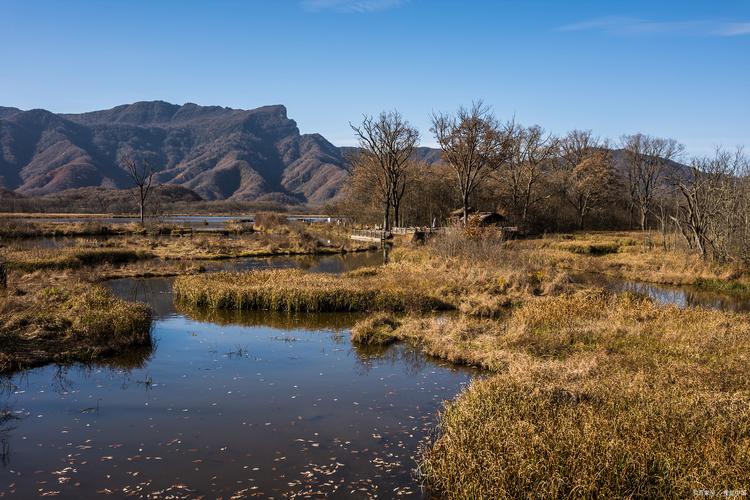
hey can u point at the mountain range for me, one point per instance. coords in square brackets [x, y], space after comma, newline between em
[217, 152]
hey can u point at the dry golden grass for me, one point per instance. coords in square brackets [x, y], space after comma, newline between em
[293, 290]
[131, 251]
[377, 330]
[31, 259]
[594, 395]
[630, 255]
[69, 321]
[12, 228]
[557, 432]
[413, 280]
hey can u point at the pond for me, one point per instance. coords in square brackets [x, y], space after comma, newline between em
[194, 221]
[245, 404]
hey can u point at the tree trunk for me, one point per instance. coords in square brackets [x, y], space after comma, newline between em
[465, 200]
[387, 217]
[643, 218]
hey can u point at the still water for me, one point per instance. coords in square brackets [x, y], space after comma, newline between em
[195, 221]
[242, 404]
[681, 296]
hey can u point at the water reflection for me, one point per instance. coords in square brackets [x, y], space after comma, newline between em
[681, 296]
[229, 405]
[280, 320]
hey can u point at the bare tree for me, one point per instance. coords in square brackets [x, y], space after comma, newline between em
[711, 213]
[473, 143]
[531, 154]
[386, 145]
[646, 159]
[142, 175]
[588, 178]
[577, 146]
[366, 190]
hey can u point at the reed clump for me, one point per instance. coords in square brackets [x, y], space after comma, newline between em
[293, 290]
[629, 255]
[377, 330]
[68, 322]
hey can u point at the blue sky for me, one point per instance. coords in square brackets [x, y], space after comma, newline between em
[670, 68]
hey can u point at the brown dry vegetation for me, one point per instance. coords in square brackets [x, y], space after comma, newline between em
[413, 280]
[31, 259]
[589, 393]
[594, 395]
[648, 257]
[637, 256]
[13, 228]
[131, 251]
[293, 290]
[44, 320]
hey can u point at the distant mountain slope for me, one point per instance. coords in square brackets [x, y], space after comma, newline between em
[422, 154]
[219, 153]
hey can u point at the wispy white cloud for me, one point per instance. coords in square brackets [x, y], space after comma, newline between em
[356, 6]
[735, 29]
[638, 26]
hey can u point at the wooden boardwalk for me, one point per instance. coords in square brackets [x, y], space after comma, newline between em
[375, 235]
[379, 236]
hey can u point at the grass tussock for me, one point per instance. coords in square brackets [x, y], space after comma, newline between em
[594, 395]
[590, 248]
[65, 323]
[292, 290]
[29, 260]
[377, 330]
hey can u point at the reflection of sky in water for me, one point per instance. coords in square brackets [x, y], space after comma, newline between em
[230, 406]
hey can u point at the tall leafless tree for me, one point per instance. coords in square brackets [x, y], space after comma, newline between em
[386, 145]
[711, 212]
[531, 154]
[646, 160]
[588, 180]
[473, 143]
[142, 175]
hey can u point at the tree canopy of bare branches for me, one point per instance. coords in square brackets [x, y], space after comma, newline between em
[531, 153]
[386, 146]
[473, 143]
[142, 175]
[588, 179]
[646, 159]
[714, 212]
